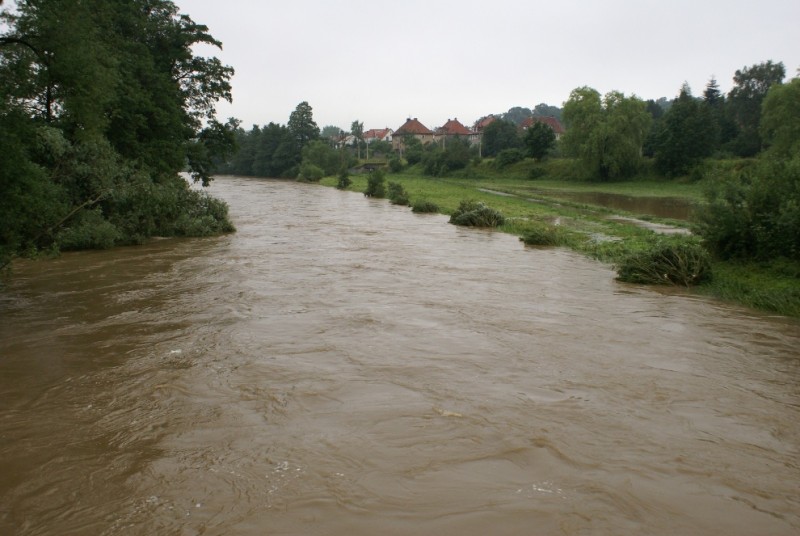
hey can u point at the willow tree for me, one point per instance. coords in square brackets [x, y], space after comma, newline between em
[605, 134]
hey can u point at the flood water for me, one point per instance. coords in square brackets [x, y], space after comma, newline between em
[342, 366]
[662, 207]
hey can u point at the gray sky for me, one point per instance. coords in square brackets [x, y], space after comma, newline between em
[381, 61]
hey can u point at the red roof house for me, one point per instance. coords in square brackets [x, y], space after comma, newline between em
[551, 122]
[412, 127]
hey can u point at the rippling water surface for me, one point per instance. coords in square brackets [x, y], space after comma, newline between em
[342, 366]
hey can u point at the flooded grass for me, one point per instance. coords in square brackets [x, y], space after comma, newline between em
[596, 231]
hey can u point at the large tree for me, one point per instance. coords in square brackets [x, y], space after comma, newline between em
[607, 134]
[751, 85]
[115, 103]
[780, 119]
[539, 140]
[498, 136]
[302, 126]
[686, 135]
[357, 130]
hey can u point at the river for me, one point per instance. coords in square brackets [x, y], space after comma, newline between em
[341, 366]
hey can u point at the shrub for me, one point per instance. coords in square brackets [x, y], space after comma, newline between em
[754, 213]
[344, 181]
[376, 186]
[476, 214]
[506, 157]
[544, 235]
[89, 230]
[425, 207]
[536, 173]
[395, 165]
[675, 261]
[397, 194]
[310, 172]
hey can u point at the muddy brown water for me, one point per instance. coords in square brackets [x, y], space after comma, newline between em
[341, 366]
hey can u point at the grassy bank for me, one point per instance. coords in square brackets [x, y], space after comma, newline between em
[532, 208]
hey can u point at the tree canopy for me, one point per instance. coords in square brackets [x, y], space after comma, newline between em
[607, 134]
[107, 103]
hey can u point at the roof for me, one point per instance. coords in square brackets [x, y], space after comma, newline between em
[413, 127]
[453, 128]
[377, 133]
[550, 121]
[482, 123]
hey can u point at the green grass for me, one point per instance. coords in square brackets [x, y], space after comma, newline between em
[588, 229]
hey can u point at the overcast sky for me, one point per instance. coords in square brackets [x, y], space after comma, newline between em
[382, 61]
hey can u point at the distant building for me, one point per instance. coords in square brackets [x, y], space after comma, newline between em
[412, 127]
[378, 134]
[452, 129]
[552, 122]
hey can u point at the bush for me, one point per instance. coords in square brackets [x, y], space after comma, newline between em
[754, 213]
[89, 230]
[544, 235]
[425, 207]
[675, 261]
[397, 194]
[376, 186]
[536, 173]
[395, 165]
[344, 181]
[310, 172]
[476, 214]
[506, 157]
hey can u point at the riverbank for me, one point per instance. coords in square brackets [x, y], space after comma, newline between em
[600, 232]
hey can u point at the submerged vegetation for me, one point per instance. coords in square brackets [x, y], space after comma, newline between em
[471, 213]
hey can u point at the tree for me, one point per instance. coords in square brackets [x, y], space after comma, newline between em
[517, 115]
[322, 155]
[606, 134]
[330, 132]
[539, 140]
[357, 130]
[751, 85]
[302, 126]
[545, 110]
[499, 135]
[780, 119]
[115, 103]
[686, 136]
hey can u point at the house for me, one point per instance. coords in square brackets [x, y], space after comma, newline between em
[412, 127]
[452, 129]
[345, 140]
[378, 134]
[550, 121]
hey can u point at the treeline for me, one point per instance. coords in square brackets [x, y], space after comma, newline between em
[102, 104]
[294, 150]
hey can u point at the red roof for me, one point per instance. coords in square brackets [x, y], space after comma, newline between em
[413, 127]
[376, 133]
[453, 128]
[551, 122]
[484, 122]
